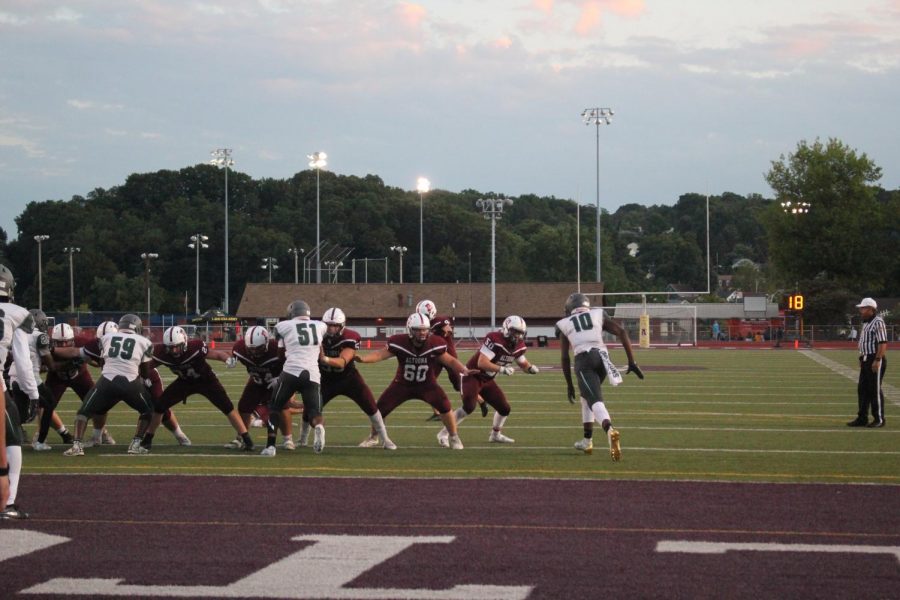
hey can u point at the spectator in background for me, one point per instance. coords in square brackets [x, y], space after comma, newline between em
[716, 330]
[853, 333]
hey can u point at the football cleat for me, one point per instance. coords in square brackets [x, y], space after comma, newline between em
[289, 445]
[75, 450]
[389, 445]
[183, 440]
[443, 438]
[41, 446]
[235, 444]
[106, 439]
[135, 447]
[370, 442]
[319, 439]
[268, 451]
[247, 446]
[12, 511]
[455, 442]
[585, 445]
[433, 417]
[615, 451]
[498, 438]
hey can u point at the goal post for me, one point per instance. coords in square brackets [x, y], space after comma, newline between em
[655, 325]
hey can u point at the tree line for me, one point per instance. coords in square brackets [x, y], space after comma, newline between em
[832, 248]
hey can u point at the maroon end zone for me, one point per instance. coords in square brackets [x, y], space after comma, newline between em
[382, 538]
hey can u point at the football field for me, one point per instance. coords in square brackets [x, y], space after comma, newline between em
[738, 479]
[735, 415]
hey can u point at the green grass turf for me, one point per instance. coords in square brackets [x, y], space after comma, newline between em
[737, 415]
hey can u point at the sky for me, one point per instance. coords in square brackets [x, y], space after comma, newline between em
[471, 94]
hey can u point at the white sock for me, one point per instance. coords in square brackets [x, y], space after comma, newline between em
[177, 432]
[587, 416]
[62, 430]
[498, 421]
[289, 437]
[98, 433]
[14, 461]
[461, 415]
[378, 423]
[600, 412]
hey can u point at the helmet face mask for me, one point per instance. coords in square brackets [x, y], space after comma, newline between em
[514, 328]
[175, 341]
[336, 321]
[419, 328]
[41, 322]
[62, 335]
[256, 339]
[427, 308]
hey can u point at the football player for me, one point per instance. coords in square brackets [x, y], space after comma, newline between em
[301, 341]
[340, 377]
[39, 350]
[498, 354]
[582, 330]
[418, 354]
[187, 360]
[258, 352]
[127, 357]
[15, 327]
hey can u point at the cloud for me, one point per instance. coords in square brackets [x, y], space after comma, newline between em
[411, 14]
[65, 14]
[150, 135]
[589, 20]
[90, 105]
[31, 148]
[11, 19]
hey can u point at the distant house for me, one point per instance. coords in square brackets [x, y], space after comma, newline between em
[724, 281]
[680, 292]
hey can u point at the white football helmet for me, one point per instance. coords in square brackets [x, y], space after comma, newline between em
[336, 317]
[256, 339]
[175, 340]
[107, 327]
[62, 334]
[427, 308]
[514, 328]
[419, 327]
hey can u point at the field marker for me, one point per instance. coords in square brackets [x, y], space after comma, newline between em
[19, 542]
[723, 547]
[890, 392]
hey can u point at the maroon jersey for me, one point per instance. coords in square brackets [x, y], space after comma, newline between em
[93, 350]
[262, 369]
[332, 346]
[437, 328]
[499, 350]
[416, 365]
[71, 368]
[191, 365]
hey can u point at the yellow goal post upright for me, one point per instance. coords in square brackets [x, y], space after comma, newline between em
[651, 325]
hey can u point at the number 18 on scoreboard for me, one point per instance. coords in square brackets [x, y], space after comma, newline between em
[795, 302]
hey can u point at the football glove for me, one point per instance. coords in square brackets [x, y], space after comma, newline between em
[32, 410]
[533, 370]
[506, 370]
[231, 362]
[633, 368]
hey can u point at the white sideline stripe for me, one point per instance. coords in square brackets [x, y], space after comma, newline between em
[683, 546]
[890, 392]
[495, 448]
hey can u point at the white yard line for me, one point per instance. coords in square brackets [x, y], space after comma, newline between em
[890, 392]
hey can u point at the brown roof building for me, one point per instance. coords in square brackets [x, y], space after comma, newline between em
[540, 303]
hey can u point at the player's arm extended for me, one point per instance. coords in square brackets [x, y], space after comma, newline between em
[218, 355]
[617, 330]
[341, 361]
[453, 363]
[66, 352]
[485, 364]
[374, 357]
[566, 365]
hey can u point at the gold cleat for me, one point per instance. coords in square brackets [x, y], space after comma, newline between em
[615, 451]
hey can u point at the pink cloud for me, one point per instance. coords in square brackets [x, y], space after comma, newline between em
[626, 8]
[590, 18]
[411, 14]
[544, 5]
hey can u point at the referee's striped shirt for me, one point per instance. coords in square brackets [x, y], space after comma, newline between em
[873, 333]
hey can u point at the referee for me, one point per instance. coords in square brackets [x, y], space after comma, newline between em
[872, 365]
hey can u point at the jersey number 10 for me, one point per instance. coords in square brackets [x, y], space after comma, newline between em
[582, 321]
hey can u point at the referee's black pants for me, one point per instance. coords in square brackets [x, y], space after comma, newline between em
[868, 390]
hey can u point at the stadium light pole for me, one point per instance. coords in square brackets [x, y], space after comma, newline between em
[400, 250]
[71, 252]
[222, 159]
[40, 239]
[422, 186]
[147, 257]
[598, 117]
[318, 161]
[492, 208]
[270, 263]
[198, 242]
[296, 252]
